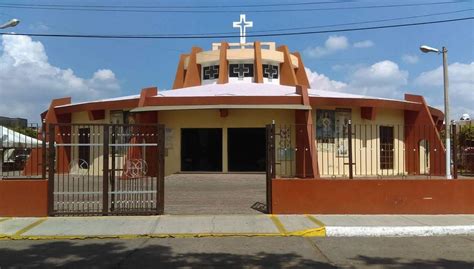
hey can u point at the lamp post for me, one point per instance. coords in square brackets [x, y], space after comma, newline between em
[10, 23]
[444, 51]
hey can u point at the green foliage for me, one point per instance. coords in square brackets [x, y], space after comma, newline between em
[26, 131]
[466, 134]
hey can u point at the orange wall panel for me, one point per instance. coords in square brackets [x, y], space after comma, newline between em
[314, 196]
[23, 198]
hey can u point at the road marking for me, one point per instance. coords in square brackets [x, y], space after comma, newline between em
[29, 227]
[316, 221]
[278, 224]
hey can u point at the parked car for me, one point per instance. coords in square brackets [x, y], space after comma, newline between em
[15, 159]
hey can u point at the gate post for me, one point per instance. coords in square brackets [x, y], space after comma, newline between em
[112, 171]
[50, 159]
[105, 171]
[454, 151]
[270, 163]
[349, 145]
[160, 176]
[43, 149]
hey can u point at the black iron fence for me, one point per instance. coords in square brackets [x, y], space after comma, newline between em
[463, 148]
[105, 169]
[21, 152]
[354, 150]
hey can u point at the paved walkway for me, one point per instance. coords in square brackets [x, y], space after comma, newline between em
[212, 194]
[235, 225]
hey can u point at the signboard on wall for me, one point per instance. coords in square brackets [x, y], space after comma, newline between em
[343, 115]
[325, 125]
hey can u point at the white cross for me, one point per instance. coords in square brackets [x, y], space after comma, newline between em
[242, 24]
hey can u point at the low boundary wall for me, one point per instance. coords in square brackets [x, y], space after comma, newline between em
[23, 198]
[369, 196]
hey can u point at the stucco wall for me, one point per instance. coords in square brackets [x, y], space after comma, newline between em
[23, 198]
[366, 196]
[366, 143]
[211, 119]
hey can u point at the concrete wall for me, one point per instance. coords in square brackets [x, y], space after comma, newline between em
[175, 120]
[23, 198]
[397, 196]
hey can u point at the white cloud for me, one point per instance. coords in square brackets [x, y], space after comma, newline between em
[410, 59]
[321, 82]
[461, 87]
[29, 81]
[384, 79]
[381, 79]
[333, 44]
[364, 44]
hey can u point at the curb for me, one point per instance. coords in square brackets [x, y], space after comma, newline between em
[398, 231]
[316, 232]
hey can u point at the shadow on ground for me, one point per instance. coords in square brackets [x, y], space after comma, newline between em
[116, 254]
[175, 253]
[395, 263]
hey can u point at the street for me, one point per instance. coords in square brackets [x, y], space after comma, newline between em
[242, 252]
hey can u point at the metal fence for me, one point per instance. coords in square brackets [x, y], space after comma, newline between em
[105, 169]
[463, 148]
[20, 152]
[361, 150]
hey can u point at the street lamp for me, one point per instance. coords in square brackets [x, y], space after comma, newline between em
[10, 23]
[444, 51]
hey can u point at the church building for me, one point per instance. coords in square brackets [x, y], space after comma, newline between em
[223, 97]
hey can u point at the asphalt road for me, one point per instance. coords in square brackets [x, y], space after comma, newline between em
[241, 252]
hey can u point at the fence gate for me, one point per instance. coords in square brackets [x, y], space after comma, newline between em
[105, 169]
[270, 163]
[463, 148]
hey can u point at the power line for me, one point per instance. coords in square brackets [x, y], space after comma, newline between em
[148, 10]
[334, 25]
[183, 6]
[236, 36]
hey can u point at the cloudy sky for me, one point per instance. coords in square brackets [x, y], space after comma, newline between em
[385, 62]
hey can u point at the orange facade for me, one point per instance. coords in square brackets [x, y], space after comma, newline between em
[23, 198]
[397, 196]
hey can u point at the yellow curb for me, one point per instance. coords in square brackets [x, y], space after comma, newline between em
[316, 221]
[29, 227]
[316, 232]
[2, 220]
[278, 224]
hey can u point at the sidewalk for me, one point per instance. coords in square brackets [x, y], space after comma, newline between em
[235, 225]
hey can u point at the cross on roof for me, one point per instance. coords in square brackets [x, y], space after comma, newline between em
[242, 24]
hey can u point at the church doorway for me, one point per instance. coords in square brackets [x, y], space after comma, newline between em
[246, 149]
[201, 149]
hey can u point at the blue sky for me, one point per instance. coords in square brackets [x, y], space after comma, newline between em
[384, 62]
